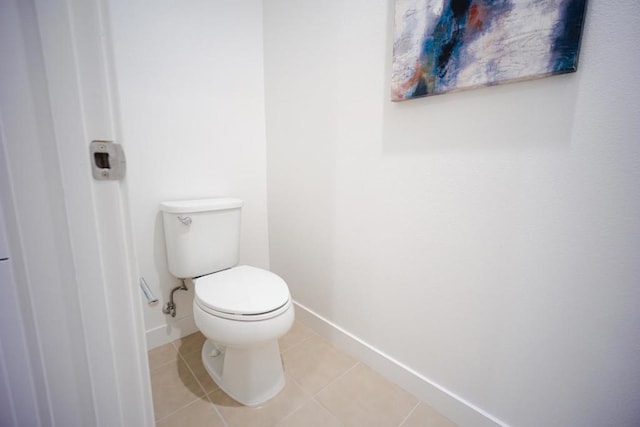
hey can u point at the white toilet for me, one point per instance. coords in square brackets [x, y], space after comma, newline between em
[242, 310]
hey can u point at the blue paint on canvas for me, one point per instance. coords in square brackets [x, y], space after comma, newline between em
[447, 45]
[566, 37]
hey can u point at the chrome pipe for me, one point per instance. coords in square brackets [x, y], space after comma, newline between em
[170, 307]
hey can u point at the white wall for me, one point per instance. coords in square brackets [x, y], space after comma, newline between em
[190, 82]
[489, 240]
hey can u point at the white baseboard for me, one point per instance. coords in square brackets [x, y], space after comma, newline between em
[446, 402]
[172, 330]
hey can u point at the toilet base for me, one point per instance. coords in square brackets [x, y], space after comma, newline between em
[250, 376]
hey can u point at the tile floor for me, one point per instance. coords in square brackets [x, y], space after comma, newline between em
[325, 388]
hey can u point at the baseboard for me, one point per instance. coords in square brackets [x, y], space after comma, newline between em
[174, 329]
[446, 402]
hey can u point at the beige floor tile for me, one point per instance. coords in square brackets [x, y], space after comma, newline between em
[296, 335]
[198, 414]
[347, 393]
[425, 416]
[194, 361]
[311, 414]
[190, 344]
[162, 355]
[268, 414]
[315, 363]
[363, 397]
[173, 387]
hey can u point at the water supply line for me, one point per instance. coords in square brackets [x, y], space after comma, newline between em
[170, 307]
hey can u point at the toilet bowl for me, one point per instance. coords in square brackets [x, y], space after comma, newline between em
[242, 312]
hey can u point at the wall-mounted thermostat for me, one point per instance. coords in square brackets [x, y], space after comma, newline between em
[107, 160]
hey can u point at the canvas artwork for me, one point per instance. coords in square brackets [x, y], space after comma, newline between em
[447, 45]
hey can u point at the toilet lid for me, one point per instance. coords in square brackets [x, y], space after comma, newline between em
[243, 290]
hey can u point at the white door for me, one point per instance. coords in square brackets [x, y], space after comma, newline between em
[71, 276]
[18, 401]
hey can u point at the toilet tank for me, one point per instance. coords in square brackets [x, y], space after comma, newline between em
[201, 236]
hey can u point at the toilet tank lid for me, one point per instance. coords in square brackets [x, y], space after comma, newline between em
[200, 205]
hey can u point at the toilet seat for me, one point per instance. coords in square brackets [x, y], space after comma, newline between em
[242, 293]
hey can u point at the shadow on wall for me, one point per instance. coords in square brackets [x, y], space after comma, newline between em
[537, 113]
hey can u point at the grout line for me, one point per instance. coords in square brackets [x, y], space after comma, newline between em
[311, 333]
[290, 378]
[333, 415]
[157, 368]
[337, 378]
[294, 410]
[215, 408]
[184, 360]
[352, 345]
[178, 359]
[409, 414]
[312, 397]
[179, 409]
[206, 394]
[298, 344]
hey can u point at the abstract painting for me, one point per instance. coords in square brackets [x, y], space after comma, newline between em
[448, 45]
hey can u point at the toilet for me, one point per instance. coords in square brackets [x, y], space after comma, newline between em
[241, 310]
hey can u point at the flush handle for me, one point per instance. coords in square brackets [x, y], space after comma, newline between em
[186, 220]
